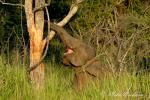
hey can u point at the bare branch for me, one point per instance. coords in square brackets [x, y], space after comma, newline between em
[10, 4]
[72, 12]
[48, 19]
[132, 39]
[78, 1]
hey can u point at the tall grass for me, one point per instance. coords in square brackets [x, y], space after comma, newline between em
[14, 85]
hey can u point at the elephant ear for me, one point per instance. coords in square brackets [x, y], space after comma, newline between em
[66, 61]
[77, 61]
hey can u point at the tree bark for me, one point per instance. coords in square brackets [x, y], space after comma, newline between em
[35, 29]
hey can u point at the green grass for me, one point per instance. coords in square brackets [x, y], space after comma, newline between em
[14, 85]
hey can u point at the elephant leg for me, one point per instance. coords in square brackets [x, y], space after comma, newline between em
[80, 78]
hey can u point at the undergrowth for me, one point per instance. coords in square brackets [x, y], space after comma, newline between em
[14, 85]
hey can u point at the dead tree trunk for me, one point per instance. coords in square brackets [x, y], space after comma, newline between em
[35, 25]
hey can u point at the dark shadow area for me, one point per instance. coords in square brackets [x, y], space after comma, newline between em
[58, 10]
[145, 64]
[55, 52]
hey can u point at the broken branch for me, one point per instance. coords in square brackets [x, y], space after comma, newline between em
[72, 12]
[10, 4]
